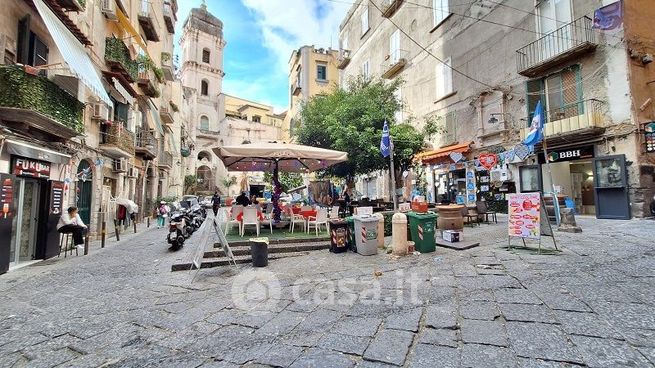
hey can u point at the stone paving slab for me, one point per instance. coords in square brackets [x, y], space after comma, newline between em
[591, 305]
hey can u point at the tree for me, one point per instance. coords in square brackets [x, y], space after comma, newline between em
[287, 180]
[351, 120]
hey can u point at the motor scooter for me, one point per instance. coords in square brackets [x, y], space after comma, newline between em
[176, 231]
[652, 207]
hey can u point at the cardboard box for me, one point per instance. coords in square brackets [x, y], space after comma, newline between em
[453, 236]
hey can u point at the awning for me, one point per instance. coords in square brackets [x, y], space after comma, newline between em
[429, 156]
[73, 52]
[122, 19]
[171, 139]
[31, 151]
[155, 116]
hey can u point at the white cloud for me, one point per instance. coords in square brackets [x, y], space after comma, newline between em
[289, 24]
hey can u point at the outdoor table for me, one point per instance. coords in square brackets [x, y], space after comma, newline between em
[308, 214]
[260, 215]
[295, 210]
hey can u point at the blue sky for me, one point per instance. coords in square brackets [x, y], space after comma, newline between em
[261, 34]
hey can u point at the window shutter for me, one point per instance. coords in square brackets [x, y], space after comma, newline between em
[535, 92]
[23, 40]
[394, 46]
[450, 137]
[447, 76]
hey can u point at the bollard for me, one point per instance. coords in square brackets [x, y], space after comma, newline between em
[380, 230]
[103, 234]
[86, 245]
[134, 222]
[148, 221]
[399, 234]
[117, 230]
[567, 223]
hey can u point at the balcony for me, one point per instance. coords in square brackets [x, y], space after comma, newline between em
[210, 134]
[394, 64]
[344, 59]
[389, 7]
[148, 83]
[566, 43]
[295, 89]
[584, 119]
[72, 5]
[146, 143]
[167, 66]
[148, 21]
[118, 58]
[169, 17]
[116, 141]
[35, 102]
[166, 114]
[165, 160]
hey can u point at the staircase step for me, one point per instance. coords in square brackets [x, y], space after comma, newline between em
[241, 250]
[223, 261]
[276, 241]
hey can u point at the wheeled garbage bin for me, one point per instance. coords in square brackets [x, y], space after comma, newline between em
[259, 252]
[366, 234]
[422, 227]
[339, 236]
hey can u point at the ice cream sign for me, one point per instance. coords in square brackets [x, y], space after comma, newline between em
[524, 215]
[31, 168]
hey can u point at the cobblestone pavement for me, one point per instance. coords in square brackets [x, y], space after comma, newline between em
[591, 305]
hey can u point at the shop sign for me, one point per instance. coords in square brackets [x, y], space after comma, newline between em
[649, 136]
[33, 168]
[568, 154]
[524, 215]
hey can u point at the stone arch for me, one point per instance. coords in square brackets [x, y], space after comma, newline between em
[204, 87]
[204, 156]
[205, 178]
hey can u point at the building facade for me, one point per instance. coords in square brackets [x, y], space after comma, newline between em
[88, 115]
[215, 118]
[481, 69]
[312, 72]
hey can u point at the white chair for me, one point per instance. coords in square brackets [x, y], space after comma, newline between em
[297, 218]
[268, 220]
[269, 208]
[236, 210]
[320, 219]
[334, 212]
[306, 208]
[249, 218]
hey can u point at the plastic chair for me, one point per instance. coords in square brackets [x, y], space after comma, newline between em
[249, 218]
[320, 219]
[268, 220]
[297, 218]
[483, 210]
[236, 210]
[306, 208]
[334, 212]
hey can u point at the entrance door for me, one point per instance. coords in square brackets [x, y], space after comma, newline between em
[611, 189]
[84, 191]
[26, 223]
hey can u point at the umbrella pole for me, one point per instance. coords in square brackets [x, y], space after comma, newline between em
[277, 190]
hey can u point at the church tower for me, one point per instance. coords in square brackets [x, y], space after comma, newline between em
[201, 73]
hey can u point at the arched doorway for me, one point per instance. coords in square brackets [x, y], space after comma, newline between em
[84, 190]
[205, 178]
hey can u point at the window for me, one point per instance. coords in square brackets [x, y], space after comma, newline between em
[365, 69]
[561, 93]
[204, 123]
[31, 50]
[321, 72]
[440, 11]
[344, 42]
[444, 78]
[552, 14]
[394, 47]
[364, 19]
[204, 87]
[256, 119]
[205, 56]
[450, 125]
[298, 77]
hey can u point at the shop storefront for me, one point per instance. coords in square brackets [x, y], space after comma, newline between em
[594, 185]
[31, 203]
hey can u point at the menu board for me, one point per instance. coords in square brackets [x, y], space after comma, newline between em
[524, 215]
[6, 197]
[649, 135]
[56, 197]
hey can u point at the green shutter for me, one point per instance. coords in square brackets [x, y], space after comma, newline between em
[535, 92]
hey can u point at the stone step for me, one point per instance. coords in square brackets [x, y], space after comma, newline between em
[241, 250]
[276, 241]
[223, 261]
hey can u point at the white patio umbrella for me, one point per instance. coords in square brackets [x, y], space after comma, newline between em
[275, 157]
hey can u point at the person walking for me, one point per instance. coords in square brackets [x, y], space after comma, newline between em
[216, 203]
[71, 223]
[162, 213]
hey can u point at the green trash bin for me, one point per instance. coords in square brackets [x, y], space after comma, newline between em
[351, 233]
[422, 226]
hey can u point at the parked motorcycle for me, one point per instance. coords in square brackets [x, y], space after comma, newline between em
[189, 226]
[652, 207]
[177, 231]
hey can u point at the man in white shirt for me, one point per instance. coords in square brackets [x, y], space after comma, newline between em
[71, 223]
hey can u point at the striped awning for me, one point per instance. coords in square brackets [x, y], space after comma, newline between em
[155, 116]
[125, 23]
[73, 52]
[171, 139]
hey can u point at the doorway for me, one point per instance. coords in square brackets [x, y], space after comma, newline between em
[610, 182]
[23, 240]
[84, 190]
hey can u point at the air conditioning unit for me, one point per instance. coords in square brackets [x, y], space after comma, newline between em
[108, 8]
[132, 172]
[100, 111]
[7, 49]
[120, 165]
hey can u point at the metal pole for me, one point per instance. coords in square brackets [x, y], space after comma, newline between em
[86, 244]
[103, 234]
[117, 230]
[552, 183]
[393, 177]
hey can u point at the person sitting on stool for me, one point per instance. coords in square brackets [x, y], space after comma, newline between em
[71, 223]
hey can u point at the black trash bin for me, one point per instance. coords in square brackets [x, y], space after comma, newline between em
[259, 252]
[338, 236]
